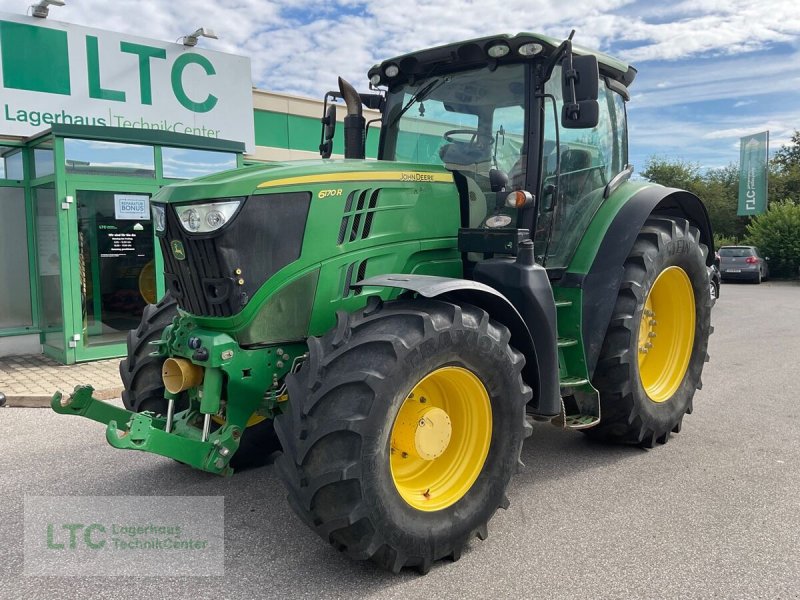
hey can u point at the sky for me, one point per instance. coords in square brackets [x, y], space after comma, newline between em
[710, 71]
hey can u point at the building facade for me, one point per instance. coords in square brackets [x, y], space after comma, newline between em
[93, 123]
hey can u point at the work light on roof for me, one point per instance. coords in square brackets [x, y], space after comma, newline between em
[42, 8]
[391, 70]
[498, 50]
[375, 79]
[530, 49]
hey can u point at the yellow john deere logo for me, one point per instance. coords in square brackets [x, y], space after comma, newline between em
[177, 250]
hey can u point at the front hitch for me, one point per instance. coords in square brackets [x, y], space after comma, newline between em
[145, 431]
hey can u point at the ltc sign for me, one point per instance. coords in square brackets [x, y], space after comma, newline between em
[55, 72]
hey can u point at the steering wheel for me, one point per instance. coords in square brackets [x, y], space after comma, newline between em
[479, 140]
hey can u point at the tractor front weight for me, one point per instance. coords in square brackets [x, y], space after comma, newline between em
[227, 396]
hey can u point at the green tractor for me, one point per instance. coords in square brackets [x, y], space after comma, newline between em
[396, 326]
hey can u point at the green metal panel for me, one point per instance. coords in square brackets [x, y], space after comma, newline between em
[295, 132]
[272, 129]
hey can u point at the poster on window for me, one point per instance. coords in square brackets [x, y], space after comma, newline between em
[131, 207]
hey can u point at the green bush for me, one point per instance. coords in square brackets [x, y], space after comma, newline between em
[777, 235]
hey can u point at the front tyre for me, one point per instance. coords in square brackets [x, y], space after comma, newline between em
[404, 427]
[654, 350]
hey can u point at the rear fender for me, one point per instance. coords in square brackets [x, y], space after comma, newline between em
[496, 305]
[600, 284]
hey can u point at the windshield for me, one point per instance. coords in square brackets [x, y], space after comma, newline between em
[735, 252]
[471, 123]
[486, 108]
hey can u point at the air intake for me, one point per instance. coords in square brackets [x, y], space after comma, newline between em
[357, 221]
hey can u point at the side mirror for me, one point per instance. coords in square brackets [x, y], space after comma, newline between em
[580, 81]
[328, 131]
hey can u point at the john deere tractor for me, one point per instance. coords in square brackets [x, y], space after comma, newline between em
[396, 326]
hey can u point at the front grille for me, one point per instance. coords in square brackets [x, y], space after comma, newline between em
[221, 271]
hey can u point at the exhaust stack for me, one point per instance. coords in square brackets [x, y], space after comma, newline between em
[354, 122]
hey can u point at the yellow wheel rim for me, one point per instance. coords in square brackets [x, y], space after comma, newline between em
[666, 334]
[440, 438]
[147, 283]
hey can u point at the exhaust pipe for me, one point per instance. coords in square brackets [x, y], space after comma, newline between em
[179, 374]
[354, 122]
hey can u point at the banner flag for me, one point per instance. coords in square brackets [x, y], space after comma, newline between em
[753, 157]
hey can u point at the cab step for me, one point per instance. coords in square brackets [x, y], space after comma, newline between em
[568, 383]
[563, 303]
[580, 421]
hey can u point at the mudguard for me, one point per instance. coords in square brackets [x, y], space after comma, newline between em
[600, 283]
[545, 384]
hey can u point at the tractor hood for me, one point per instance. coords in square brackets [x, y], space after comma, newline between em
[307, 175]
[224, 236]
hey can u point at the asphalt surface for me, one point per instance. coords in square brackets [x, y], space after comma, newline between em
[715, 513]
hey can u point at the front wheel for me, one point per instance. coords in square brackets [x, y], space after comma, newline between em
[654, 350]
[404, 427]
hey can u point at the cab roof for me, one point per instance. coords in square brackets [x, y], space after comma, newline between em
[473, 53]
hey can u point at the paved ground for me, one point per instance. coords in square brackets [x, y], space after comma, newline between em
[31, 380]
[713, 514]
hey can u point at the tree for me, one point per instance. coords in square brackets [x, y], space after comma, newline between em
[788, 156]
[717, 188]
[784, 176]
[673, 173]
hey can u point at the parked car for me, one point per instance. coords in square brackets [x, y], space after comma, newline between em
[743, 262]
[714, 278]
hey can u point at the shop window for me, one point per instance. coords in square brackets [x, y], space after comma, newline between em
[11, 167]
[93, 157]
[15, 289]
[185, 163]
[43, 162]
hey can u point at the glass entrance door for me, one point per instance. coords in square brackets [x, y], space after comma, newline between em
[115, 266]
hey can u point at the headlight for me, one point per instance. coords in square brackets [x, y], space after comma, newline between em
[159, 217]
[202, 218]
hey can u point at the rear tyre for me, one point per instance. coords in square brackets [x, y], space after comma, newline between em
[144, 388]
[654, 351]
[403, 429]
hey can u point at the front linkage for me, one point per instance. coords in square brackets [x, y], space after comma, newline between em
[227, 395]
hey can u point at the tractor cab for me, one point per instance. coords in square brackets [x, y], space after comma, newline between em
[533, 131]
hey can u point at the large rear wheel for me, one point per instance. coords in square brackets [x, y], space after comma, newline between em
[655, 348]
[403, 430]
[144, 387]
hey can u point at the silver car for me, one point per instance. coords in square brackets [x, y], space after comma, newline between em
[742, 262]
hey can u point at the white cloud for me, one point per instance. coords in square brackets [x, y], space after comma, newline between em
[694, 51]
